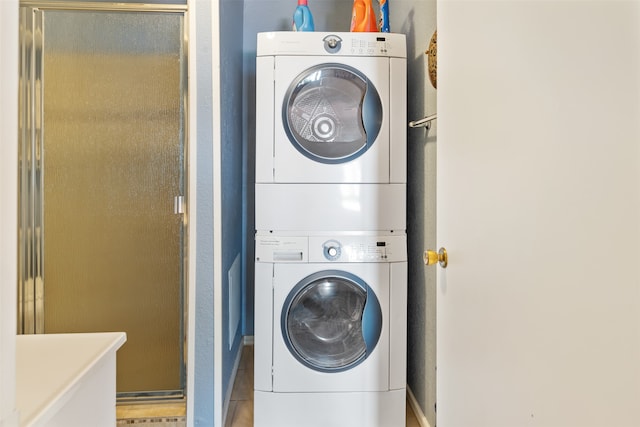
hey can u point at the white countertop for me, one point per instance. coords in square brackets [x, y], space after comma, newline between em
[50, 366]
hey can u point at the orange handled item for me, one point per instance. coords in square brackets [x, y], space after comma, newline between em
[363, 17]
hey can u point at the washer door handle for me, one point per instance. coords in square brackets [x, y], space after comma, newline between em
[371, 321]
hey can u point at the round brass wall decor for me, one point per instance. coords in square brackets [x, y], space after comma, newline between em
[432, 59]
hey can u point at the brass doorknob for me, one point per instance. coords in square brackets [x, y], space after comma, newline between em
[431, 257]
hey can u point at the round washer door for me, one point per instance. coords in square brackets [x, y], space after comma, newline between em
[332, 113]
[331, 321]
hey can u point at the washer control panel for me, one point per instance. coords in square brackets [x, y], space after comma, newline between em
[358, 249]
[281, 249]
[344, 248]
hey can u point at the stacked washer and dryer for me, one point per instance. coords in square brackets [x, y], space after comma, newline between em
[330, 212]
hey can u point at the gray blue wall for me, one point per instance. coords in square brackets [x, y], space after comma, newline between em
[419, 24]
[231, 24]
[230, 40]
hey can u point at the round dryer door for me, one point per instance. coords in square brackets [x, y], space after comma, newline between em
[332, 113]
[331, 321]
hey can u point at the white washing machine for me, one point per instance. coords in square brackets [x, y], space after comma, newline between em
[330, 330]
[330, 109]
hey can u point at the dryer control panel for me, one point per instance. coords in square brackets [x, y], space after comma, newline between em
[368, 46]
[317, 43]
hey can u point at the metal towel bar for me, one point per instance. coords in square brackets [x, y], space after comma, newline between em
[424, 122]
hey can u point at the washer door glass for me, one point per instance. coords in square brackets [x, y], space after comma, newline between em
[332, 113]
[331, 321]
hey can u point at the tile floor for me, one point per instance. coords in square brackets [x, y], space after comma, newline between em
[168, 414]
[241, 405]
[240, 412]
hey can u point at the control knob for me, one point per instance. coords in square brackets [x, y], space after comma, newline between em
[332, 250]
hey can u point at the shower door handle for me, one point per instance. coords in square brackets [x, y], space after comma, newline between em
[178, 205]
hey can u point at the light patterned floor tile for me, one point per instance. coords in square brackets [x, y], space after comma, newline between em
[243, 414]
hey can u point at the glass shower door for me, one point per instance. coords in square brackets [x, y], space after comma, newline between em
[104, 157]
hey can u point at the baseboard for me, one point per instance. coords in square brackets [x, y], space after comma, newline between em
[417, 410]
[248, 340]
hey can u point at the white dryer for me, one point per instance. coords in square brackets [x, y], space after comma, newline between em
[330, 330]
[331, 107]
[330, 131]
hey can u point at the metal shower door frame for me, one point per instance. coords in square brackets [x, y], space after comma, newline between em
[31, 260]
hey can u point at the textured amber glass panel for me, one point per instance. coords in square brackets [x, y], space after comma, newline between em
[113, 154]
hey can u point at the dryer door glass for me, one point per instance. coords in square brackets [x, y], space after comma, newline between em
[326, 321]
[332, 113]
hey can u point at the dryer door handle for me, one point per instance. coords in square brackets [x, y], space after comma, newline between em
[371, 113]
[371, 321]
